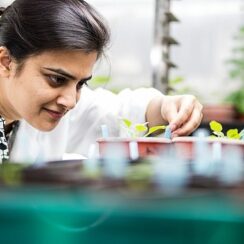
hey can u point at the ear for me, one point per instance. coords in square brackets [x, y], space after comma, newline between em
[5, 62]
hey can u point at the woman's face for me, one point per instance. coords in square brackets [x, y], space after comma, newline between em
[48, 86]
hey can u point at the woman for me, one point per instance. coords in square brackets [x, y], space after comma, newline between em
[47, 53]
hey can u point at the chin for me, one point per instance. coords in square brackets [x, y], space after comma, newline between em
[45, 127]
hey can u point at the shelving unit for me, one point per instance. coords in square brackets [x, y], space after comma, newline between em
[162, 44]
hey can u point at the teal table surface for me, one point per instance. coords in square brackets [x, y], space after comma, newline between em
[58, 214]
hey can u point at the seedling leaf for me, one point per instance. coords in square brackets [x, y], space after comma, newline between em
[215, 126]
[154, 129]
[233, 134]
[127, 123]
[141, 127]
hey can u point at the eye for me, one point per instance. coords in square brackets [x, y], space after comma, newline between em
[57, 80]
[81, 84]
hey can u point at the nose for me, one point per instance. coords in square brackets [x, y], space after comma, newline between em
[68, 97]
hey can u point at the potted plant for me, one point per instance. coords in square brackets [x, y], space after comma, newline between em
[134, 134]
[181, 147]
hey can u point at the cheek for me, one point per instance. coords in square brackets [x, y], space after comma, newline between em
[39, 92]
[30, 101]
[34, 86]
[21, 97]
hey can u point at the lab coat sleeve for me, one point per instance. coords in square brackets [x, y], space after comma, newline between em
[101, 106]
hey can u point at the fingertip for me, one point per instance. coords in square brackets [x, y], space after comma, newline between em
[173, 126]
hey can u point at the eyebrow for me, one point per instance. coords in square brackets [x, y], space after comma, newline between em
[64, 73]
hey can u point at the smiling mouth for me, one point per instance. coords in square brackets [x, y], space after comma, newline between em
[54, 114]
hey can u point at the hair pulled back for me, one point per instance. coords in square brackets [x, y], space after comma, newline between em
[30, 27]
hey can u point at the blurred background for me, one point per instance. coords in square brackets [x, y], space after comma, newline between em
[206, 57]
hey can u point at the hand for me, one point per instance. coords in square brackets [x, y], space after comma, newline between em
[183, 113]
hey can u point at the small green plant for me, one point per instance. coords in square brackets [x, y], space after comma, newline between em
[217, 128]
[135, 130]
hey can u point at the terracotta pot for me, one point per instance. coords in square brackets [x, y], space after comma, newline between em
[146, 146]
[240, 118]
[184, 147]
[220, 113]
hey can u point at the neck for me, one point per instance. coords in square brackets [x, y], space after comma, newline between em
[5, 115]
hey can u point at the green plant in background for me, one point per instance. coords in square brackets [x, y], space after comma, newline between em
[217, 130]
[237, 99]
[99, 81]
[176, 86]
[135, 130]
[103, 81]
[236, 72]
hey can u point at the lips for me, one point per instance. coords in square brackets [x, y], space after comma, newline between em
[54, 114]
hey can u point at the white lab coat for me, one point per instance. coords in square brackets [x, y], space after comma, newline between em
[82, 126]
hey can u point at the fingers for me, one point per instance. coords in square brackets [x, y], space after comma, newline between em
[185, 109]
[191, 124]
[184, 114]
[169, 111]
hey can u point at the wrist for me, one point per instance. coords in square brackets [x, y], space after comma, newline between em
[154, 111]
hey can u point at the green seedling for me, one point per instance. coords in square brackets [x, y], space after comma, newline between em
[136, 130]
[217, 128]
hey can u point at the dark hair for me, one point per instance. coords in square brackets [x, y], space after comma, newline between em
[29, 27]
